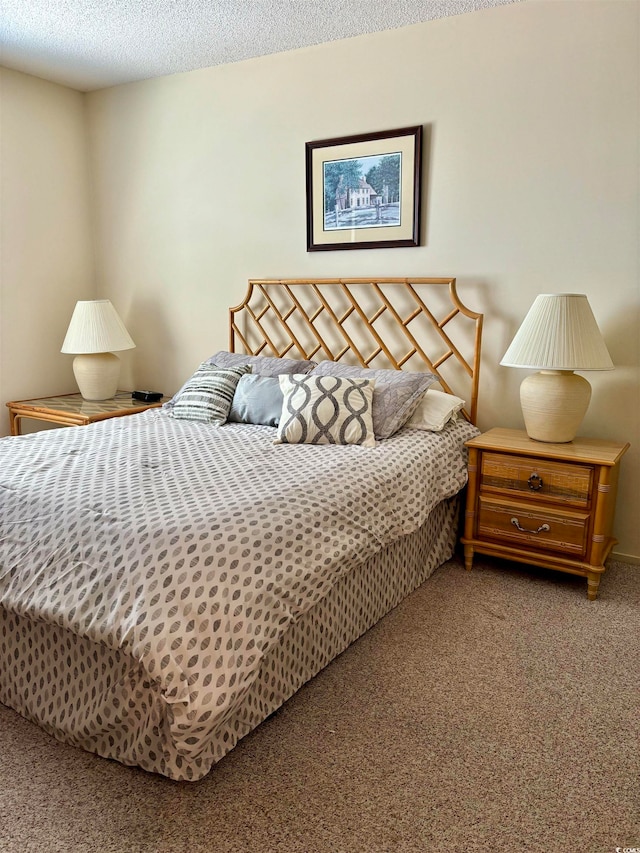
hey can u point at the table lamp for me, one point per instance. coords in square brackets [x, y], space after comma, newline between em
[94, 333]
[558, 335]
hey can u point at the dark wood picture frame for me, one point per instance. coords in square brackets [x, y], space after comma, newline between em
[363, 191]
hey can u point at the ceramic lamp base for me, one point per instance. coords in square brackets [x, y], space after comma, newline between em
[554, 402]
[97, 375]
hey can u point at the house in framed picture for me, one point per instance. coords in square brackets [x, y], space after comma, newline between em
[217, 633]
[359, 194]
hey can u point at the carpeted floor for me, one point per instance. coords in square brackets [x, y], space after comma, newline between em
[495, 710]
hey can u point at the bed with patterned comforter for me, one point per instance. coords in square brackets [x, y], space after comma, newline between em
[148, 566]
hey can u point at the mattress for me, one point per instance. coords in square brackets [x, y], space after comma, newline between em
[164, 586]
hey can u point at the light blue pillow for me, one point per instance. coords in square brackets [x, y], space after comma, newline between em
[258, 400]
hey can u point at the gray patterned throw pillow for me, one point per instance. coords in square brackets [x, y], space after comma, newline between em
[263, 365]
[396, 397]
[326, 410]
[208, 395]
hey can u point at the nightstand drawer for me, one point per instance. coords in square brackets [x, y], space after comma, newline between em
[538, 528]
[552, 481]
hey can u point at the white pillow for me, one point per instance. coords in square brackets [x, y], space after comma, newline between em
[434, 411]
[326, 410]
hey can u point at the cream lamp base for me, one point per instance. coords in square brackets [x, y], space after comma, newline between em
[554, 402]
[97, 375]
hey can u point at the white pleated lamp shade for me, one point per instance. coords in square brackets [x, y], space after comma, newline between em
[96, 327]
[559, 333]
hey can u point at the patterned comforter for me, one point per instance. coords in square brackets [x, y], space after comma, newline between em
[191, 549]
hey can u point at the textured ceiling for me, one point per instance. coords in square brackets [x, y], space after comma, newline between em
[90, 44]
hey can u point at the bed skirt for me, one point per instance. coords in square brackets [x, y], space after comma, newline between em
[122, 714]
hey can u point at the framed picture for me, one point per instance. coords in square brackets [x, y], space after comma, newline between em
[363, 192]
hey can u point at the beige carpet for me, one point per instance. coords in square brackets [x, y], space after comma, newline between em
[491, 711]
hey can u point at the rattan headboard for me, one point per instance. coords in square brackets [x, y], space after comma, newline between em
[392, 322]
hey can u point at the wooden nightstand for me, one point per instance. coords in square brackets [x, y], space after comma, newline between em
[551, 505]
[73, 410]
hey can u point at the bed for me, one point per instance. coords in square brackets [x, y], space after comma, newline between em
[166, 584]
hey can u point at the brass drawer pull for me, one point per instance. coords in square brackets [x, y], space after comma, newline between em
[544, 528]
[535, 482]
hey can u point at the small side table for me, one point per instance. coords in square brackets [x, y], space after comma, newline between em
[73, 410]
[551, 505]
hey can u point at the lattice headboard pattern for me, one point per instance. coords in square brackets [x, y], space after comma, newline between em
[400, 323]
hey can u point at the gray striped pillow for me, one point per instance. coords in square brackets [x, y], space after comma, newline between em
[208, 395]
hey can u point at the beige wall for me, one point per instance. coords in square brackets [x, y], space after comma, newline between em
[46, 259]
[531, 113]
[532, 121]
